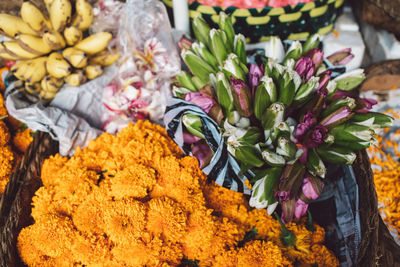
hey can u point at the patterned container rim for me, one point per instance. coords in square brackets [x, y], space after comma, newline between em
[270, 11]
[263, 16]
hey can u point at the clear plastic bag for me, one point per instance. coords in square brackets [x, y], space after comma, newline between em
[149, 60]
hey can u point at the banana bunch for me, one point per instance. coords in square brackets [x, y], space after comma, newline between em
[55, 49]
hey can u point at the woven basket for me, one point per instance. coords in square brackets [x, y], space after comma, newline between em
[380, 13]
[290, 22]
[376, 249]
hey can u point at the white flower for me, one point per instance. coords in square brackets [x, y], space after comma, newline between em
[274, 49]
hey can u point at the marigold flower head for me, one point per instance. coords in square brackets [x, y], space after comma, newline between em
[124, 220]
[22, 140]
[4, 134]
[133, 181]
[6, 166]
[261, 253]
[166, 217]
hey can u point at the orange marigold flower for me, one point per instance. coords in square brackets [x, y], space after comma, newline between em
[89, 217]
[4, 134]
[261, 253]
[166, 217]
[320, 256]
[28, 251]
[54, 235]
[22, 139]
[124, 220]
[6, 166]
[133, 181]
[228, 258]
[201, 230]
[318, 236]
[51, 168]
[139, 253]
[91, 250]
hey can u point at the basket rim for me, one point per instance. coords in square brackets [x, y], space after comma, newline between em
[195, 4]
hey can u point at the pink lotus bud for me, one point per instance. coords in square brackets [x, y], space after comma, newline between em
[300, 208]
[203, 153]
[341, 57]
[185, 43]
[241, 97]
[203, 101]
[308, 189]
[317, 57]
[305, 68]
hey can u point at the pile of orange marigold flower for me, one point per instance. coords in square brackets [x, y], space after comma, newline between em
[387, 175]
[135, 200]
[13, 142]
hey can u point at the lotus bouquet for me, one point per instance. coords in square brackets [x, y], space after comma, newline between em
[268, 130]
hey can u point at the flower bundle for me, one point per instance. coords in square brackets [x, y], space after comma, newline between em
[250, 3]
[277, 124]
[136, 94]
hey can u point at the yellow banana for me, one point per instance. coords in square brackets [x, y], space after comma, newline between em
[75, 57]
[33, 44]
[6, 55]
[54, 40]
[93, 71]
[34, 17]
[48, 3]
[19, 69]
[33, 89]
[32, 70]
[51, 84]
[72, 35]
[84, 15]
[11, 25]
[60, 14]
[14, 48]
[105, 58]
[75, 79]
[94, 43]
[57, 66]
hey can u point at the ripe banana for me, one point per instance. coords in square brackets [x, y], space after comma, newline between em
[54, 40]
[31, 71]
[33, 89]
[34, 17]
[13, 48]
[11, 25]
[48, 3]
[33, 44]
[19, 69]
[94, 43]
[75, 57]
[105, 58]
[57, 66]
[60, 14]
[93, 71]
[72, 35]
[5, 55]
[51, 84]
[75, 79]
[84, 15]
